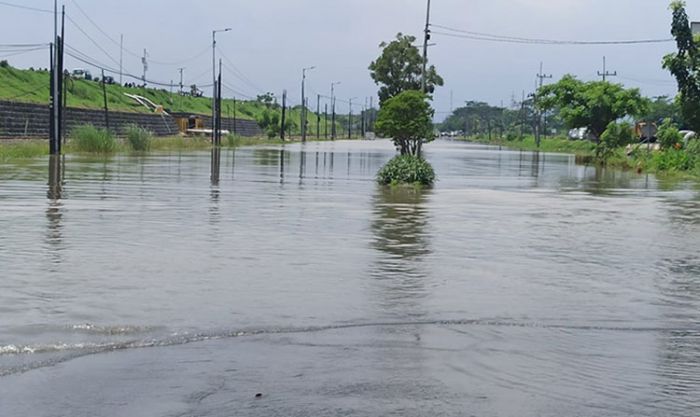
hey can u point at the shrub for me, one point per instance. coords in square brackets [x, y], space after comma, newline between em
[88, 138]
[406, 169]
[139, 138]
[616, 135]
[668, 135]
[674, 160]
[4, 64]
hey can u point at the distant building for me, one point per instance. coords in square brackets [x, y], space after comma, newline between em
[695, 26]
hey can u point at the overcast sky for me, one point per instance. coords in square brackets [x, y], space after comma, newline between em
[272, 40]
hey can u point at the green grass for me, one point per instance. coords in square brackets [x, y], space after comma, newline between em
[138, 138]
[23, 150]
[33, 87]
[90, 139]
[554, 144]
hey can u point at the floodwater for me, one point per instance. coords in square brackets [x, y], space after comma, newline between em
[522, 284]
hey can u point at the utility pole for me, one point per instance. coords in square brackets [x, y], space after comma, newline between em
[284, 114]
[425, 50]
[318, 116]
[325, 118]
[182, 70]
[303, 103]
[541, 77]
[333, 132]
[54, 145]
[605, 72]
[371, 114]
[350, 118]
[213, 78]
[121, 59]
[144, 61]
[104, 96]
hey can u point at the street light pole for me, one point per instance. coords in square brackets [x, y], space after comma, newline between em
[303, 103]
[333, 131]
[350, 118]
[213, 78]
[425, 50]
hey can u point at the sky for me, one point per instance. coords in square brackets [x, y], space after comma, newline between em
[272, 40]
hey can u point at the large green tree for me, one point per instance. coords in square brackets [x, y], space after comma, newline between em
[408, 119]
[593, 104]
[685, 66]
[400, 68]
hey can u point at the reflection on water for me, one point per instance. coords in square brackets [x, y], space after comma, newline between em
[400, 229]
[54, 211]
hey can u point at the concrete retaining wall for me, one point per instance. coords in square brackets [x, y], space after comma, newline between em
[23, 120]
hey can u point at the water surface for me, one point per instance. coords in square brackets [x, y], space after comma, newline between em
[184, 284]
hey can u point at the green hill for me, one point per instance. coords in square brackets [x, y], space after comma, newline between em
[32, 86]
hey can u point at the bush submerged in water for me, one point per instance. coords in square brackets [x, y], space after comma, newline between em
[406, 169]
[139, 138]
[88, 138]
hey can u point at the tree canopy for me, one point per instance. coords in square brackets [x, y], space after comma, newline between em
[685, 66]
[408, 119]
[593, 104]
[400, 68]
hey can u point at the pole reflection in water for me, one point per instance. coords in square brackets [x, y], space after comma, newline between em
[302, 164]
[215, 165]
[400, 220]
[281, 166]
[54, 211]
[215, 175]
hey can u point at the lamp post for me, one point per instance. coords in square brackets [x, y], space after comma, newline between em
[350, 118]
[333, 132]
[303, 102]
[213, 77]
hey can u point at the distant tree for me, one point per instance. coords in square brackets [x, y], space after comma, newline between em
[270, 122]
[400, 67]
[408, 119]
[593, 104]
[662, 108]
[4, 64]
[268, 99]
[685, 66]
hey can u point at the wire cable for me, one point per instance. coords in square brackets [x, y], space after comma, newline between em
[19, 6]
[459, 33]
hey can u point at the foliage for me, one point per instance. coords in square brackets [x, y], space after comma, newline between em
[668, 135]
[662, 108]
[406, 169]
[269, 122]
[408, 119]
[4, 64]
[138, 138]
[615, 136]
[267, 99]
[685, 66]
[593, 104]
[88, 138]
[400, 67]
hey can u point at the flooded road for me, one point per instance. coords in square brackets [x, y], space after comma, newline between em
[185, 284]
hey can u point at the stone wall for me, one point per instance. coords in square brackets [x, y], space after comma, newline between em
[24, 120]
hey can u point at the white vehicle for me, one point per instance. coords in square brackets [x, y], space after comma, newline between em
[81, 74]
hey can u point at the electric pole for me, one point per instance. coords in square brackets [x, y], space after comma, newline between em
[284, 114]
[213, 79]
[318, 116]
[182, 69]
[303, 103]
[144, 61]
[425, 50]
[333, 132]
[541, 77]
[121, 59]
[605, 72]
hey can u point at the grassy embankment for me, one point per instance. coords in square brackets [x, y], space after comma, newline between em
[674, 163]
[33, 87]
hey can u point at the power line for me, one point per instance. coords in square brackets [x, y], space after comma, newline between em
[19, 6]
[134, 54]
[481, 36]
[92, 40]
